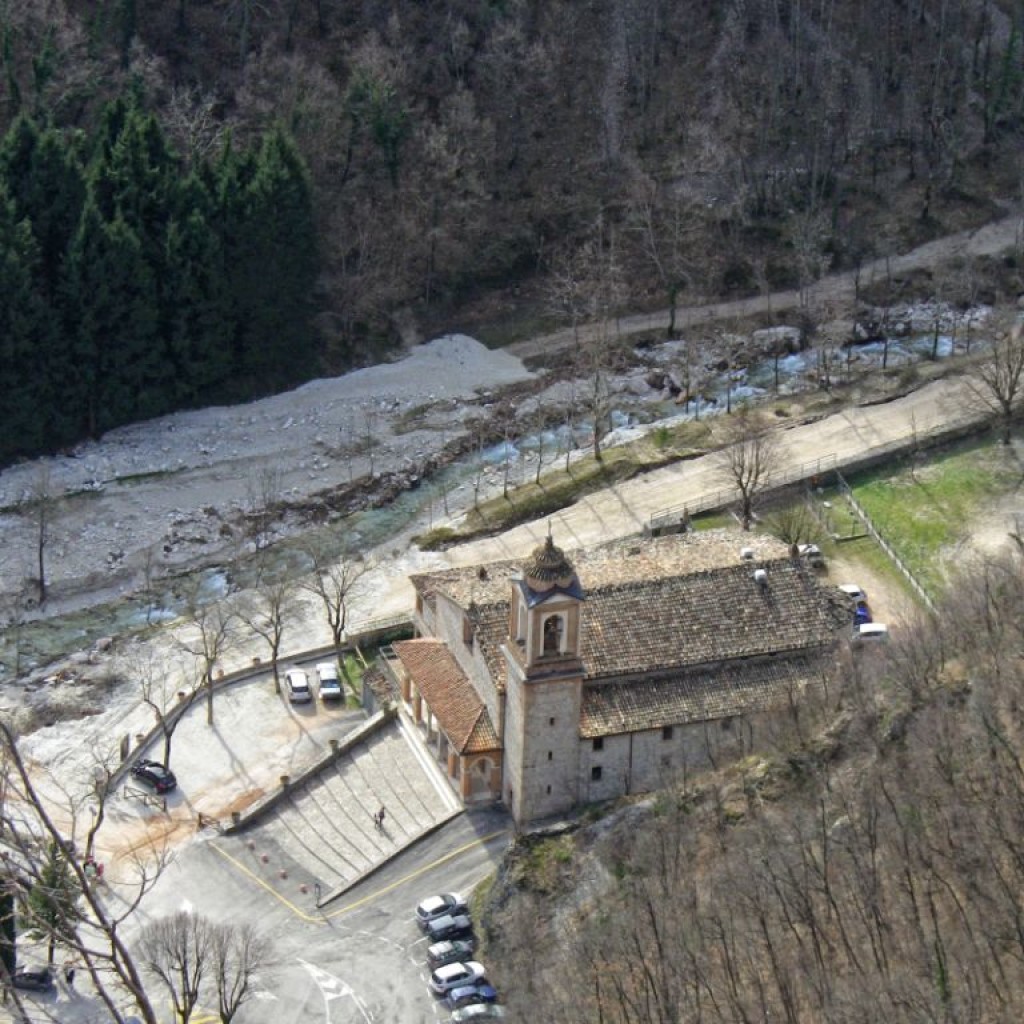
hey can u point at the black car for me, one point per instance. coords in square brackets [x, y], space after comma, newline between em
[39, 980]
[458, 926]
[154, 775]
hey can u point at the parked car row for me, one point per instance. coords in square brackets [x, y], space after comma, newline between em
[864, 625]
[455, 977]
[328, 683]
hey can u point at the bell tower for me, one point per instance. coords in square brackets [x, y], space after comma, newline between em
[544, 684]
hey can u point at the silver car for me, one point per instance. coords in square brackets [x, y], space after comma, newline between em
[298, 686]
[444, 979]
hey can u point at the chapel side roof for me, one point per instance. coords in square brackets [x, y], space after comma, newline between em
[710, 616]
[695, 695]
[451, 696]
[468, 584]
[621, 561]
[490, 631]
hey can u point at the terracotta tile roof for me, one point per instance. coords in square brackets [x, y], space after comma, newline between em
[696, 695]
[466, 584]
[448, 692]
[490, 629]
[709, 616]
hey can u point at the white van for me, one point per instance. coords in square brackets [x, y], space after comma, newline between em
[298, 686]
[872, 631]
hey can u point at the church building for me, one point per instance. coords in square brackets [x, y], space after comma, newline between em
[554, 682]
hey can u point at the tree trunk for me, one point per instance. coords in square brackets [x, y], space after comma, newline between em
[209, 696]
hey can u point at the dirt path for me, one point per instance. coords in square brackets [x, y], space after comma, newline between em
[987, 240]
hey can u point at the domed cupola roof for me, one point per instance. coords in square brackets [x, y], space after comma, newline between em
[548, 570]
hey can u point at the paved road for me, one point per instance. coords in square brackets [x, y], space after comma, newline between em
[988, 240]
[358, 962]
[626, 508]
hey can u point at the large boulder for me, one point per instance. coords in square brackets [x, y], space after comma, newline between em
[782, 339]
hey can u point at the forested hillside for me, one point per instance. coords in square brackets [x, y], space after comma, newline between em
[132, 288]
[462, 156]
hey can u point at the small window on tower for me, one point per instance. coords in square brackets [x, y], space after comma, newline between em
[599, 743]
[595, 773]
[666, 732]
[549, 755]
[551, 721]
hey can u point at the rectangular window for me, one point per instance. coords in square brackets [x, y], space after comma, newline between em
[551, 721]
[549, 791]
[595, 773]
[666, 732]
[599, 743]
[549, 755]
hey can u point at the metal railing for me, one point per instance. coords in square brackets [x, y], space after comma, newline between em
[672, 515]
[886, 547]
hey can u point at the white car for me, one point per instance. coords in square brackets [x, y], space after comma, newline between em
[298, 686]
[812, 553]
[329, 683]
[444, 979]
[853, 591]
[434, 907]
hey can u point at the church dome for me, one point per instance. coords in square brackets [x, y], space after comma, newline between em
[548, 567]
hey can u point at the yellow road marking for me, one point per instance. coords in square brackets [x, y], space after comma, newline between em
[419, 871]
[299, 912]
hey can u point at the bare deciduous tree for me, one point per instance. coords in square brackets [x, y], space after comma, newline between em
[263, 494]
[795, 523]
[666, 225]
[267, 611]
[210, 635]
[239, 955]
[332, 582]
[40, 506]
[92, 929]
[164, 688]
[588, 283]
[997, 379]
[178, 950]
[749, 459]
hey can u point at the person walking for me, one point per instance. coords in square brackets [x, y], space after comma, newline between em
[380, 819]
[69, 974]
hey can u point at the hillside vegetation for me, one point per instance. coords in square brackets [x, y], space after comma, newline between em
[869, 867]
[461, 153]
[132, 289]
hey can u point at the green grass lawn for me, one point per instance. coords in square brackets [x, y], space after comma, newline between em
[923, 507]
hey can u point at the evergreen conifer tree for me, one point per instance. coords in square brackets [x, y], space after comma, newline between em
[50, 910]
[26, 337]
